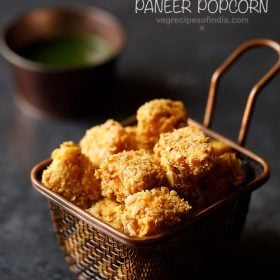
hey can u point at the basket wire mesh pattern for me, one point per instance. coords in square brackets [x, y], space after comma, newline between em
[211, 233]
[94, 250]
[92, 254]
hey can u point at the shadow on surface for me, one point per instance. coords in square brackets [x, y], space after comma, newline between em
[257, 258]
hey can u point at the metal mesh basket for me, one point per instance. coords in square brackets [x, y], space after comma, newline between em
[94, 250]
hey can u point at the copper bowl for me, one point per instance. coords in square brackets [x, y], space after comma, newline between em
[76, 91]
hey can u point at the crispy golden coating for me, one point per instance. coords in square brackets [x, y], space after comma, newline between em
[158, 116]
[127, 166]
[109, 211]
[219, 147]
[186, 186]
[103, 140]
[129, 172]
[151, 211]
[185, 154]
[226, 174]
[132, 137]
[71, 174]
[186, 151]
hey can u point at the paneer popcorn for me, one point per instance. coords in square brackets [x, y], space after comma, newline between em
[71, 174]
[129, 172]
[144, 179]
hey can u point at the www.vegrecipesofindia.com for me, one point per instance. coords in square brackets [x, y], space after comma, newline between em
[202, 20]
[201, 6]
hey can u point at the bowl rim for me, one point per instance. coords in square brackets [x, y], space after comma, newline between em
[19, 61]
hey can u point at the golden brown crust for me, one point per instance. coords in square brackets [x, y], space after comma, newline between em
[103, 140]
[132, 137]
[109, 211]
[220, 147]
[127, 165]
[158, 116]
[226, 174]
[71, 174]
[186, 186]
[186, 151]
[129, 172]
[151, 211]
[185, 154]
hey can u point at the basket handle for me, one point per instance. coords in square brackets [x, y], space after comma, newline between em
[255, 90]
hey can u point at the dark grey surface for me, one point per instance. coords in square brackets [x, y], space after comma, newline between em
[175, 61]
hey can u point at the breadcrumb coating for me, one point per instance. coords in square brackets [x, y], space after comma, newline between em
[151, 211]
[226, 174]
[132, 137]
[158, 116]
[129, 172]
[185, 151]
[220, 147]
[186, 186]
[71, 174]
[116, 174]
[109, 211]
[103, 140]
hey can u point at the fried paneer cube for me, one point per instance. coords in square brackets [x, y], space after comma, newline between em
[71, 174]
[129, 172]
[103, 140]
[109, 211]
[185, 154]
[158, 116]
[226, 175]
[186, 151]
[132, 137]
[186, 186]
[228, 169]
[228, 165]
[220, 147]
[152, 211]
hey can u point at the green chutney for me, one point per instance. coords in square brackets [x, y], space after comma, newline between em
[70, 51]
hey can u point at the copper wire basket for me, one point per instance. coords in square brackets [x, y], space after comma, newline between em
[95, 250]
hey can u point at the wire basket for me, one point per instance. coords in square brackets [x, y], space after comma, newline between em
[95, 250]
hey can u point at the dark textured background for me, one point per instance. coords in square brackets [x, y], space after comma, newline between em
[175, 61]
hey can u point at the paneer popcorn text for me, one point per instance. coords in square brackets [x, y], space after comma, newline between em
[202, 6]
